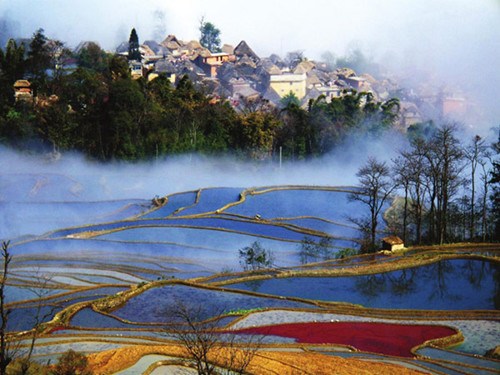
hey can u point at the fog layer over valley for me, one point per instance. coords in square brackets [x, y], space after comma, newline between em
[31, 183]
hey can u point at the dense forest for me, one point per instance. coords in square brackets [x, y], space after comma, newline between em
[98, 109]
[450, 187]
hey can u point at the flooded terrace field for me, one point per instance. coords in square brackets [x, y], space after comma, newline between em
[107, 274]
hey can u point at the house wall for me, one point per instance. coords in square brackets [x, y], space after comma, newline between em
[397, 247]
[285, 83]
[216, 59]
[210, 64]
[454, 106]
[354, 82]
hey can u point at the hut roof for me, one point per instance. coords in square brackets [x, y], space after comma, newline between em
[243, 49]
[227, 48]
[312, 79]
[245, 91]
[171, 42]
[122, 48]
[156, 47]
[345, 72]
[272, 95]
[269, 67]
[163, 66]
[304, 67]
[194, 45]
[393, 240]
[22, 83]
[146, 50]
[247, 60]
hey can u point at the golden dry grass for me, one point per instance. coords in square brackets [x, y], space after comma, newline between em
[265, 362]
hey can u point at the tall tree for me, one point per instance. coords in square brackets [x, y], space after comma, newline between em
[12, 64]
[495, 181]
[403, 179]
[133, 46]
[375, 187]
[297, 135]
[474, 153]
[209, 36]
[39, 59]
[445, 158]
[125, 110]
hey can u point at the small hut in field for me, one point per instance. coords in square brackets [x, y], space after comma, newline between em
[392, 243]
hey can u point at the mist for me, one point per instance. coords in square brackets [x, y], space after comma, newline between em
[39, 194]
[172, 174]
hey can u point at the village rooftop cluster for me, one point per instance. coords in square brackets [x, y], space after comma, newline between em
[238, 73]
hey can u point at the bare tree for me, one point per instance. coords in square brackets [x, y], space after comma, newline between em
[11, 350]
[410, 169]
[199, 338]
[212, 349]
[475, 154]
[485, 181]
[403, 179]
[40, 291]
[5, 356]
[375, 187]
[444, 156]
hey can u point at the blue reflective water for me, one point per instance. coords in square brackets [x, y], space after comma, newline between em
[327, 204]
[213, 199]
[174, 203]
[151, 230]
[457, 284]
[158, 304]
[35, 218]
[446, 355]
[334, 229]
[89, 318]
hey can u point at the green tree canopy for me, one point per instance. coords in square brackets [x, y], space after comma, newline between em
[255, 257]
[209, 36]
[91, 56]
[12, 64]
[133, 46]
[289, 99]
[39, 59]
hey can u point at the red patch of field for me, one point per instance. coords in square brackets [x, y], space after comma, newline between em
[390, 339]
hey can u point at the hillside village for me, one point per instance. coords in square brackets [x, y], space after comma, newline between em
[239, 74]
[153, 98]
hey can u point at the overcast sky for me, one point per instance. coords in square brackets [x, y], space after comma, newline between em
[313, 26]
[456, 39]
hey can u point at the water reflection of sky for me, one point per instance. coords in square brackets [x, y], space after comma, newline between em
[158, 304]
[446, 285]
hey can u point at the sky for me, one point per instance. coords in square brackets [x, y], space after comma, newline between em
[313, 26]
[456, 41]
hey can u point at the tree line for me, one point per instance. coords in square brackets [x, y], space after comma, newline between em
[97, 108]
[449, 191]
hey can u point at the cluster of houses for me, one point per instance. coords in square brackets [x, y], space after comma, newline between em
[238, 72]
[240, 75]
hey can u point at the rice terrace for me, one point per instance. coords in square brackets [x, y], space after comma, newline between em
[264, 276]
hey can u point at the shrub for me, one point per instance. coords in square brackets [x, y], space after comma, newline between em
[72, 363]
